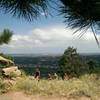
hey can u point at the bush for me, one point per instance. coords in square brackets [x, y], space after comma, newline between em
[4, 87]
[70, 63]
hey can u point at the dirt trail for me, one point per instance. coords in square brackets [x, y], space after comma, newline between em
[22, 96]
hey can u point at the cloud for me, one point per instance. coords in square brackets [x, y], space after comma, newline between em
[50, 40]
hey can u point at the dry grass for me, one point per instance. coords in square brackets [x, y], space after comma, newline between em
[86, 86]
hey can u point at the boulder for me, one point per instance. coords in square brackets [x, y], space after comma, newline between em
[9, 82]
[31, 77]
[17, 72]
[12, 71]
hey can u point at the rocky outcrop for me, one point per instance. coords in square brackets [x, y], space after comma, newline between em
[6, 61]
[12, 71]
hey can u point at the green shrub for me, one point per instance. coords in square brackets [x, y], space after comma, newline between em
[70, 63]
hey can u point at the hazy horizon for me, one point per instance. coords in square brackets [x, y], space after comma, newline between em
[47, 54]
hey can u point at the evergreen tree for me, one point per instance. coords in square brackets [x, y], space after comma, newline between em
[70, 62]
[5, 36]
[28, 9]
[82, 15]
[92, 65]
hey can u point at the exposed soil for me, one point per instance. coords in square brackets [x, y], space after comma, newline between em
[22, 96]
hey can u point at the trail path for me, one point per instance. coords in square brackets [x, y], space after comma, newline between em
[22, 96]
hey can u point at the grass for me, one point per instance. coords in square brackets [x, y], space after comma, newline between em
[86, 85]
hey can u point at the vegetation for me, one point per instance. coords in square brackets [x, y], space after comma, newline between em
[85, 86]
[78, 14]
[79, 85]
[71, 64]
[93, 66]
[82, 15]
[4, 87]
[5, 36]
[6, 56]
[28, 9]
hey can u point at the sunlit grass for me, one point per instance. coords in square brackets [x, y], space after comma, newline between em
[85, 86]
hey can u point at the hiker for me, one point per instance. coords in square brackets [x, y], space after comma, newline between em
[55, 76]
[37, 74]
[49, 76]
[66, 76]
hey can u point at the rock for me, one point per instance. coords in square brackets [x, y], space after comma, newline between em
[13, 78]
[9, 82]
[12, 71]
[31, 77]
[18, 78]
[6, 61]
[17, 72]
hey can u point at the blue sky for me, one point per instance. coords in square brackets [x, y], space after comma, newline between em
[45, 35]
[21, 25]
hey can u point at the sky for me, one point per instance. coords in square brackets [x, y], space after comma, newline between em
[44, 36]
